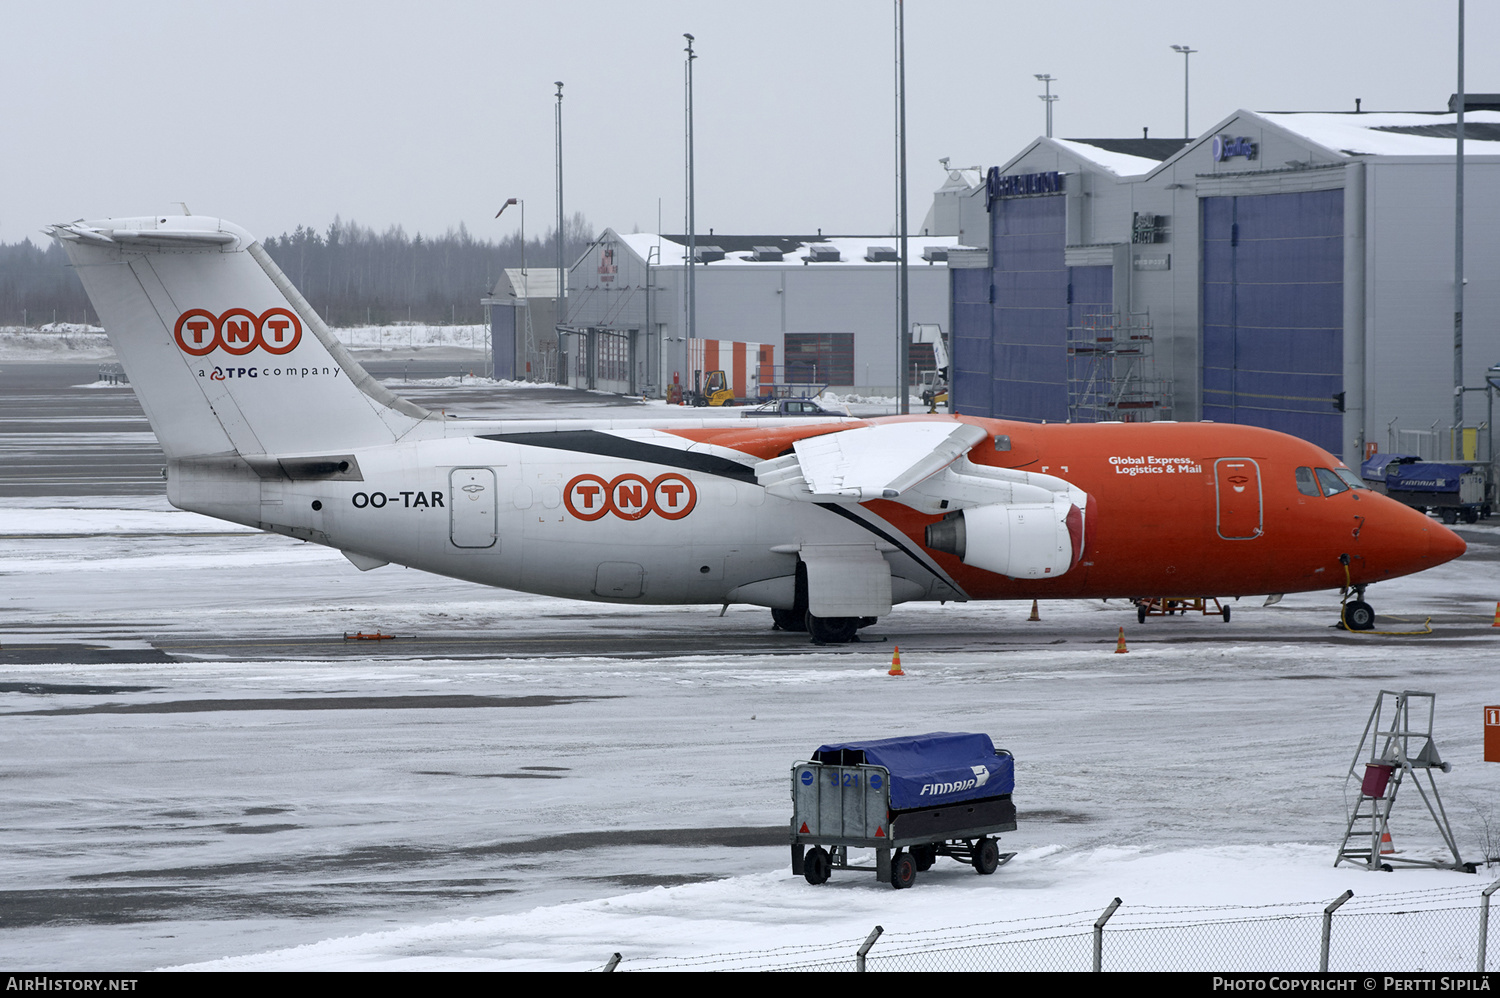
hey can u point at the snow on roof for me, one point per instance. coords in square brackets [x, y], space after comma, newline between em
[1390, 133]
[852, 249]
[536, 282]
[1119, 163]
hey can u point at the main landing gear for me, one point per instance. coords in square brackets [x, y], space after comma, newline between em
[823, 630]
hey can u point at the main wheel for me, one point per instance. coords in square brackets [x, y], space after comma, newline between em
[986, 857]
[903, 870]
[925, 856]
[789, 620]
[817, 867]
[832, 630]
[1140, 613]
[1359, 616]
[1225, 612]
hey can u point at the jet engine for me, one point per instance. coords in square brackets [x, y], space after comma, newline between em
[1020, 540]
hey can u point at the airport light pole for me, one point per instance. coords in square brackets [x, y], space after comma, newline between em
[692, 235]
[560, 316]
[1458, 249]
[1185, 53]
[1048, 79]
[903, 331]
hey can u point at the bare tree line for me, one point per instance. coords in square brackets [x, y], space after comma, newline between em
[351, 274]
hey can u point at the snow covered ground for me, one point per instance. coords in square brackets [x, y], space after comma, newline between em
[1204, 768]
[206, 774]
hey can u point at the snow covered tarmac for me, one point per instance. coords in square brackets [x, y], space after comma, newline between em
[520, 782]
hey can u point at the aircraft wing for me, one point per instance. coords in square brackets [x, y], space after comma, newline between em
[870, 462]
[1016, 523]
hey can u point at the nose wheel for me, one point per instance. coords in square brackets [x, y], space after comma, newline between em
[1358, 616]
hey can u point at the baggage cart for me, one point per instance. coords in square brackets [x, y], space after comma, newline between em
[911, 799]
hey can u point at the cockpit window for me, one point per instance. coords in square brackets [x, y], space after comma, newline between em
[1350, 478]
[1332, 483]
[1307, 482]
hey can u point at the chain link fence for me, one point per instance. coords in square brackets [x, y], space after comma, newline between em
[1446, 929]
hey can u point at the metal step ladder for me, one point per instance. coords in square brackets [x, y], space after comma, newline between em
[1396, 745]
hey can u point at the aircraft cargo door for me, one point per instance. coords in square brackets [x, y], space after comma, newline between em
[1237, 481]
[471, 501]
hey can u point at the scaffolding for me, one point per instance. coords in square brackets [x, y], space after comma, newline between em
[1111, 372]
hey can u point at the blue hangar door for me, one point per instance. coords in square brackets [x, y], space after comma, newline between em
[1273, 312]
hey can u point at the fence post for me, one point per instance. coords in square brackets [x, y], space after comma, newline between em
[613, 962]
[859, 957]
[1484, 921]
[1328, 927]
[1099, 935]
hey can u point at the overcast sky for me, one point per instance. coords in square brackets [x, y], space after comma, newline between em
[273, 114]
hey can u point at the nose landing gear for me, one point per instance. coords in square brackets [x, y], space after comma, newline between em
[1356, 614]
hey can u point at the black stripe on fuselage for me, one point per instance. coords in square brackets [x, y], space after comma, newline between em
[609, 445]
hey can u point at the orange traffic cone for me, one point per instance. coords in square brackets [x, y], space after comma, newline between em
[1386, 848]
[1497, 616]
[1038, 616]
[896, 663]
[1120, 648]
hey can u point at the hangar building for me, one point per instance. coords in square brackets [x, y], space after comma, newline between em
[1286, 270]
[827, 304]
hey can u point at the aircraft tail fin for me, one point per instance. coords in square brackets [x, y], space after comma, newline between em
[225, 355]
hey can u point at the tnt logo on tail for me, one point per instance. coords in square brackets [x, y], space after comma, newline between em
[238, 331]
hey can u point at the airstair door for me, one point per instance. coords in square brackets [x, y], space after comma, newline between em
[471, 504]
[1237, 480]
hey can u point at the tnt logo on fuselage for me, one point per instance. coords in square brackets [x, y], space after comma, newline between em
[238, 331]
[630, 497]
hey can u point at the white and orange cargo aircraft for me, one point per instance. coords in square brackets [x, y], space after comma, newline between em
[267, 421]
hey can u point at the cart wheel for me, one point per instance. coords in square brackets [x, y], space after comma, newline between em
[903, 870]
[816, 866]
[1140, 614]
[925, 856]
[1471, 516]
[986, 857]
[1225, 612]
[1450, 515]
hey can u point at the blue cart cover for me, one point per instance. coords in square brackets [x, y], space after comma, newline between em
[1373, 470]
[937, 768]
[1426, 476]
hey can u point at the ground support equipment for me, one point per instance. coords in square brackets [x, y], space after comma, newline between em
[1396, 745]
[847, 796]
[1165, 606]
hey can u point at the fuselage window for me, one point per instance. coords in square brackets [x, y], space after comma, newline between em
[1332, 484]
[1307, 483]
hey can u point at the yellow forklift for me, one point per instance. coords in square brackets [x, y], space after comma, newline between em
[714, 391]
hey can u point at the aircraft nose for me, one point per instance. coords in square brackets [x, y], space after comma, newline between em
[1443, 544]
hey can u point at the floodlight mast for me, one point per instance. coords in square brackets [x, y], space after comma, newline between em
[1185, 53]
[562, 284]
[1048, 79]
[692, 234]
[1458, 252]
[903, 330]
